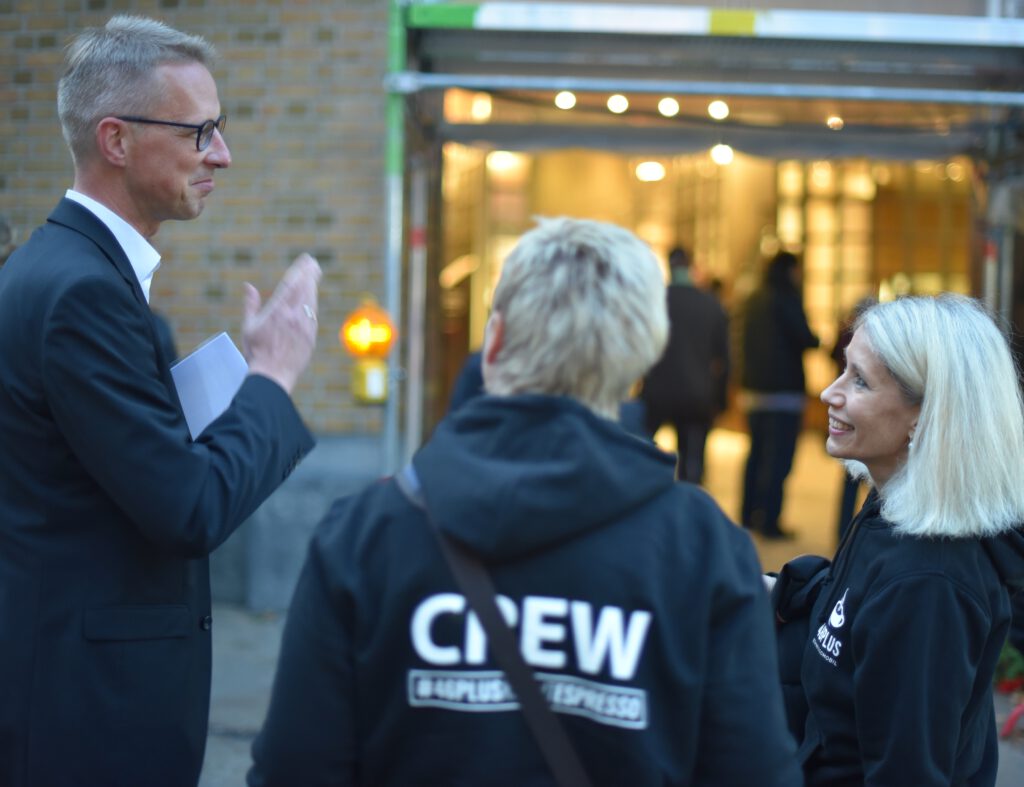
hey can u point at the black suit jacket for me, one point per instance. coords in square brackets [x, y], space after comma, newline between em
[107, 514]
[689, 380]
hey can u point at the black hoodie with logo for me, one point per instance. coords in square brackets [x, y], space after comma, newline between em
[637, 603]
[898, 666]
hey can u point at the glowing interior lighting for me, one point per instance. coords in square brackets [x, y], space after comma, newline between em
[480, 109]
[565, 100]
[718, 109]
[721, 154]
[650, 171]
[618, 103]
[822, 175]
[835, 122]
[668, 107]
[503, 161]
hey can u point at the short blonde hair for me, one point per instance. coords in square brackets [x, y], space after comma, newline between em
[583, 308]
[964, 475]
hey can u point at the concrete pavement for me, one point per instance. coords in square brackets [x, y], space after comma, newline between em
[245, 647]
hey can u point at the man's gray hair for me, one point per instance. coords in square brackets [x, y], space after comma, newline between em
[583, 306]
[964, 475]
[109, 71]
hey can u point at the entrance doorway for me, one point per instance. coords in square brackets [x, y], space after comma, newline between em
[864, 228]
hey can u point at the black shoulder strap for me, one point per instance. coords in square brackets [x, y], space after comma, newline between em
[476, 585]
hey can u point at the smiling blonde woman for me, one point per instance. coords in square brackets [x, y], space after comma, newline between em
[908, 621]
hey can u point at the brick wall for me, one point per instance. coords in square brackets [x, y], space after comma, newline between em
[300, 81]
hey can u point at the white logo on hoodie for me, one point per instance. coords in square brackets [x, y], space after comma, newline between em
[553, 633]
[838, 616]
[826, 639]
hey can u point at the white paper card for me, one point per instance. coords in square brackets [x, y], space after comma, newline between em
[207, 380]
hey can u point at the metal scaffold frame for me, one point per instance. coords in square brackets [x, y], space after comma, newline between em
[511, 55]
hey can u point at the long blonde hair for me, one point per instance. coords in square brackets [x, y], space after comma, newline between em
[964, 474]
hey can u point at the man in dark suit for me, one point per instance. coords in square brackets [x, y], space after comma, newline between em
[108, 510]
[687, 387]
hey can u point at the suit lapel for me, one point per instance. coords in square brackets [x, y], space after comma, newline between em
[70, 214]
[76, 218]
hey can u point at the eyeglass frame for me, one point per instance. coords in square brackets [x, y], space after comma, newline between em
[217, 125]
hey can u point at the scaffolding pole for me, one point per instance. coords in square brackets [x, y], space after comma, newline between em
[394, 159]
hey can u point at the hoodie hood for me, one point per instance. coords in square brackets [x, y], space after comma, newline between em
[512, 474]
[1006, 551]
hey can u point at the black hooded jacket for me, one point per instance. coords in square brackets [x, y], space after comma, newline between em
[637, 603]
[775, 336]
[898, 664]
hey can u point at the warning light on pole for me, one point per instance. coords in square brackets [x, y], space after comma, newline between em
[368, 334]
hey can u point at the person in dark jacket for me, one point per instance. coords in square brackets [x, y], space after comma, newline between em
[687, 386]
[775, 336]
[637, 602]
[908, 622]
[108, 510]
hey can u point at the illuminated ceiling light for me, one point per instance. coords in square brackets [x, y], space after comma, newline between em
[650, 171]
[718, 109]
[668, 107]
[503, 161]
[480, 109]
[618, 103]
[565, 100]
[835, 122]
[721, 154]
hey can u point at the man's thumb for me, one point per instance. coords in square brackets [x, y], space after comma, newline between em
[252, 302]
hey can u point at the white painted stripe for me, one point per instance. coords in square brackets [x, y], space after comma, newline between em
[890, 28]
[813, 25]
[587, 18]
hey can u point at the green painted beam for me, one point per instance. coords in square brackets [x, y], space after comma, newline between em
[443, 15]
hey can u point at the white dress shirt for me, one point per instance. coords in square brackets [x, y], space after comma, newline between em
[143, 257]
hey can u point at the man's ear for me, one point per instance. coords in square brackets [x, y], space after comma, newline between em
[494, 337]
[112, 140]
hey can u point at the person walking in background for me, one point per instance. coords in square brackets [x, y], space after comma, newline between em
[687, 386]
[108, 509]
[906, 624]
[775, 336]
[637, 601]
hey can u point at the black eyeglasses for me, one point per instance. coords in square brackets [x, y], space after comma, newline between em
[204, 131]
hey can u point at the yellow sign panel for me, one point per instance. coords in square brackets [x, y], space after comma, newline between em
[370, 380]
[732, 22]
